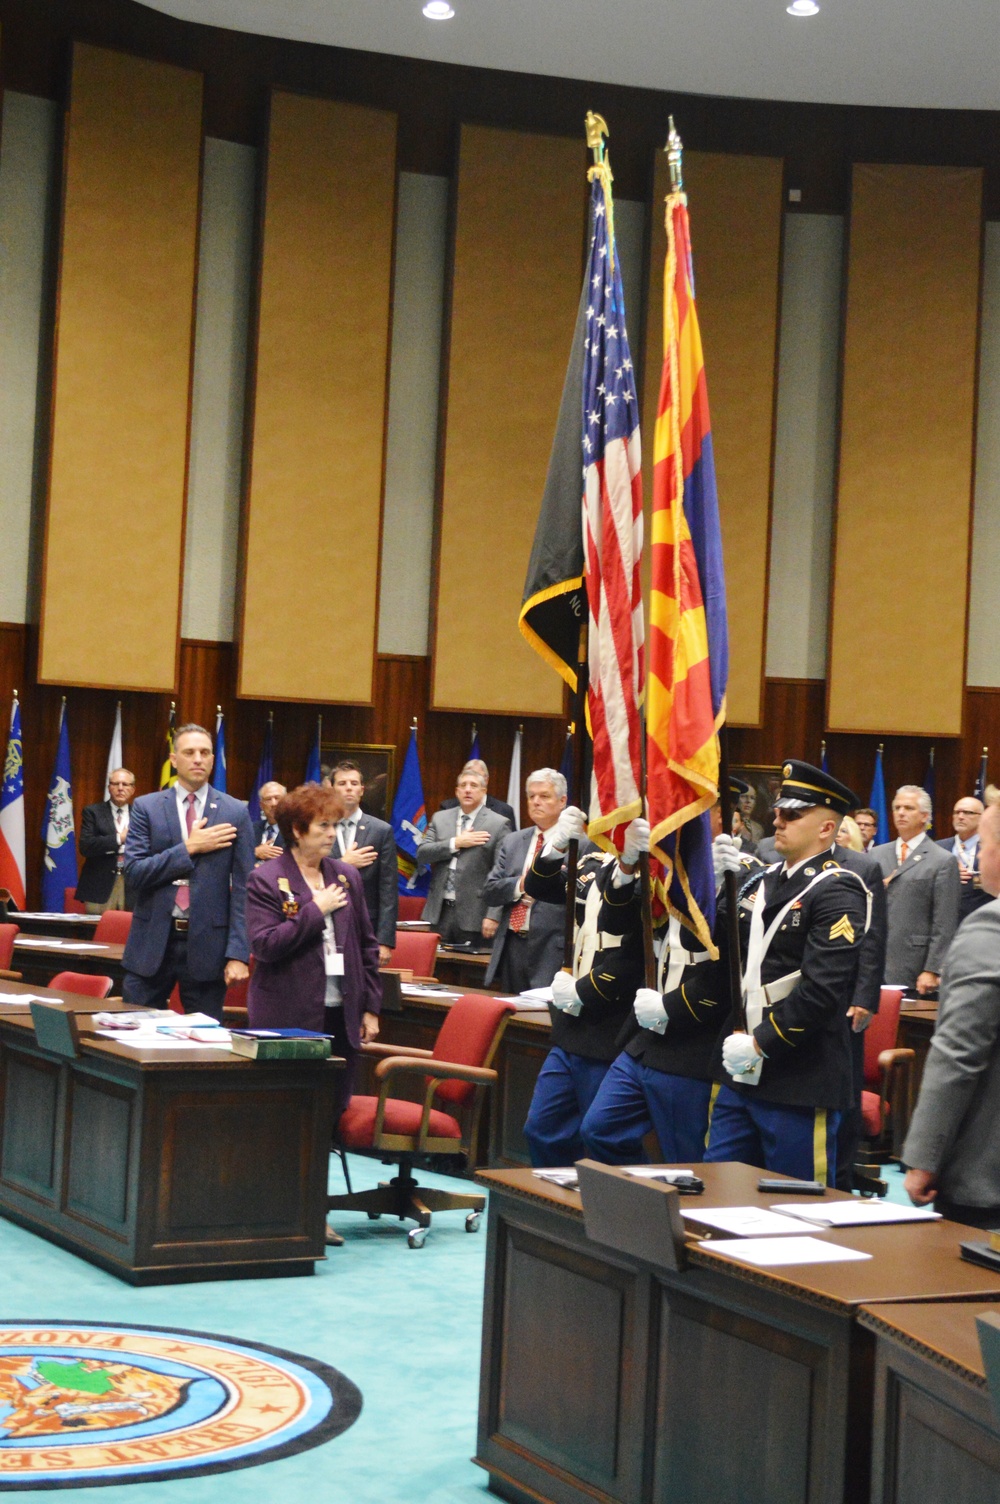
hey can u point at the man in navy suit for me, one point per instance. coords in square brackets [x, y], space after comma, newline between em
[964, 847]
[188, 853]
[369, 845]
[268, 841]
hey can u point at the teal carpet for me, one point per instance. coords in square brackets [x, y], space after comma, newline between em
[403, 1324]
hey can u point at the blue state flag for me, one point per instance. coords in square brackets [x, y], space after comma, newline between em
[58, 833]
[878, 802]
[219, 767]
[475, 755]
[314, 767]
[265, 771]
[409, 821]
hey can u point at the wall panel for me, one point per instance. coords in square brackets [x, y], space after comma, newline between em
[28, 204]
[518, 264]
[983, 665]
[315, 493]
[121, 394]
[735, 208]
[215, 480]
[897, 649]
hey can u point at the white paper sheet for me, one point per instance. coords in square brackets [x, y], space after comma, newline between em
[22, 999]
[135, 1040]
[420, 989]
[53, 942]
[660, 1172]
[745, 1221]
[857, 1213]
[772, 1253]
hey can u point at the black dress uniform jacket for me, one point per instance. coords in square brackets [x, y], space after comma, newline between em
[608, 990]
[805, 1037]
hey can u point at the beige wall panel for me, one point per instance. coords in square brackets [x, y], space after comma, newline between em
[313, 520]
[122, 374]
[518, 263]
[735, 206]
[900, 586]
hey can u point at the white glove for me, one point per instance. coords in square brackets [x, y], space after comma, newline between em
[725, 856]
[636, 840]
[571, 822]
[564, 994]
[649, 1010]
[742, 1059]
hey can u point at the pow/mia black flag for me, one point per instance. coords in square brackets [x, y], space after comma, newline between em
[554, 605]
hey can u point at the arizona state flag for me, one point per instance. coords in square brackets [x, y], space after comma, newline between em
[688, 663]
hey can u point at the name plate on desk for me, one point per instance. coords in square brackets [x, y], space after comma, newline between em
[639, 1217]
[56, 1029]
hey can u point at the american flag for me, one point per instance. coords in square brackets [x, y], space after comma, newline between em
[612, 530]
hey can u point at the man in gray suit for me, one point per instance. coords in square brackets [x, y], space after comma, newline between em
[922, 895]
[460, 846]
[953, 1146]
[528, 946]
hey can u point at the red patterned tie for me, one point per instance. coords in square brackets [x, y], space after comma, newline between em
[519, 912]
[183, 899]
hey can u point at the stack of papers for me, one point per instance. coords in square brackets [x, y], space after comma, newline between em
[22, 999]
[61, 918]
[773, 1252]
[173, 1031]
[568, 1179]
[425, 989]
[857, 1212]
[745, 1222]
[55, 943]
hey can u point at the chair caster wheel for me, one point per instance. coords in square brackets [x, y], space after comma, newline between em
[374, 1216]
[472, 1221]
[417, 1237]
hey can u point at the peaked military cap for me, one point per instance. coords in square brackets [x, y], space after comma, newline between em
[737, 787]
[803, 786]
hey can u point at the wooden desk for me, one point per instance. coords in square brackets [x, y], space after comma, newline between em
[605, 1378]
[165, 1165]
[460, 967]
[37, 963]
[69, 926]
[937, 1430]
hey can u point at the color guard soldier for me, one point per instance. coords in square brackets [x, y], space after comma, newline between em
[588, 1008]
[662, 1080]
[785, 1084]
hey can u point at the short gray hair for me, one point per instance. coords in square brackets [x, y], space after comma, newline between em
[547, 775]
[191, 726]
[476, 765]
[923, 798]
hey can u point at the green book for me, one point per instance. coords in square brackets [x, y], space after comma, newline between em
[280, 1044]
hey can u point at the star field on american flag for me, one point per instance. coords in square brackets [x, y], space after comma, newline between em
[610, 409]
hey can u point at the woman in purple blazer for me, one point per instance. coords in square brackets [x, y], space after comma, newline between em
[315, 953]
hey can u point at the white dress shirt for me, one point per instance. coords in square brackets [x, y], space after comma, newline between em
[911, 845]
[200, 798]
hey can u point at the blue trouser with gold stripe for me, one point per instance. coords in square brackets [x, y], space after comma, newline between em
[798, 1141]
[566, 1086]
[634, 1099]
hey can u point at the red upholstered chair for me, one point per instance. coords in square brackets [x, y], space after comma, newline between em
[8, 934]
[411, 906]
[888, 1083]
[455, 1076]
[84, 983]
[113, 927]
[416, 951]
[71, 904]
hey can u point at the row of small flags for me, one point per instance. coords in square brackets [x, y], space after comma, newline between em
[59, 871]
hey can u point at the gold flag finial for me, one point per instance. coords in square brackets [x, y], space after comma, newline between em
[597, 129]
[675, 154]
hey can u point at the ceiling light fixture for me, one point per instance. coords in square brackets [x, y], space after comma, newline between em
[440, 10]
[803, 8]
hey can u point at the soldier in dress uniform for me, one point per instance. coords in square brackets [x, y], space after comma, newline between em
[784, 1085]
[590, 1005]
[662, 1079]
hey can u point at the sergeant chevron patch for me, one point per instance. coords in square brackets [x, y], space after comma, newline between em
[843, 929]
